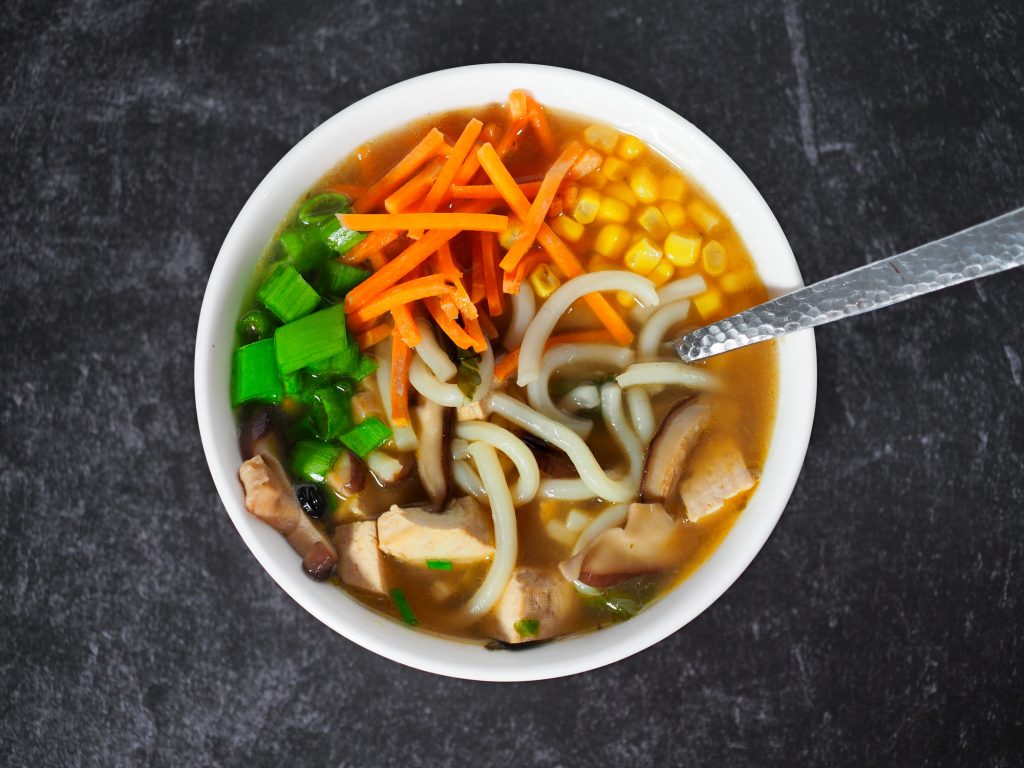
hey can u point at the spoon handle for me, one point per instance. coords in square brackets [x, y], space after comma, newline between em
[986, 248]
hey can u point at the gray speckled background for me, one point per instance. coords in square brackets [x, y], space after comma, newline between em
[881, 624]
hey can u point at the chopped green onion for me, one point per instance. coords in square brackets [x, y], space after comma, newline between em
[293, 384]
[320, 208]
[303, 429]
[304, 248]
[337, 279]
[403, 607]
[256, 325]
[342, 364]
[287, 295]
[313, 338]
[527, 627]
[254, 374]
[367, 365]
[331, 412]
[439, 565]
[367, 436]
[338, 237]
[312, 461]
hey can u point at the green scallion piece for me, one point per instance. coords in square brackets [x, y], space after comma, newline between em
[321, 207]
[331, 412]
[304, 248]
[254, 374]
[303, 429]
[337, 279]
[403, 607]
[367, 365]
[344, 363]
[439, 565]
[256, 325]
[338, 237]
[287, 295]
[312, 460]
[294, 386]
[367, 436]
[527, 627]
[310, 339]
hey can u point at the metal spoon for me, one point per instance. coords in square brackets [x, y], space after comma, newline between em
[984, 249]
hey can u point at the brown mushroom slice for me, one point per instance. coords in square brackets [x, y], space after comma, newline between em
[348, 475]
[387, 468]
[551, 461]
[669, 449]
[648, 543]
[259, 434]
[434, 452]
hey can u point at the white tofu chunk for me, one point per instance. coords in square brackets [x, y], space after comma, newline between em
[461, 533]
[716, 474]
[542, 600]
[361, 563]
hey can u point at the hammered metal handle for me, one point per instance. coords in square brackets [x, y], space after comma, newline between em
[993, 246]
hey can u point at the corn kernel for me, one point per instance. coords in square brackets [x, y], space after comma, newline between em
[614, 169]
[682, 250]
[549, 509]
[620, 191]
[654, 222]
[595, 179]
[612, 211]
[662, 273]
[567, 227]
[708, 303]
[713, 258]
[626, 299]
[611, 240]
[644, 184]
[707, 221]
[508, 236]
[601, 137]
[675, 214]
[630, 147]
[643, 257]
[673, 188]
[599, 263]
[544, 281]
[587, 205]
[741, 280]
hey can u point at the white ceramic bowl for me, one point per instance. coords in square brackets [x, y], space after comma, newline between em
[326, 146]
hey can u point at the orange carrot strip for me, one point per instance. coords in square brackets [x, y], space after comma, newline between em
[429, 146]
[405, 197]
[369, 245]
[405, 325]
[518, 105]
[475, 333]
[541, 204]
[349, 190]
[451, 328]
[397, 268]
[368, 222]
[452, 165]
[487, 326]
[510, 362]
[539, 121]
[400, 358]
[490, 192]
[374, 336]
[561, 255]
[446, 265]
[477, 286]
[514, 279]
[588, 162]
[488, 261]
[403, 293]
[448, 306]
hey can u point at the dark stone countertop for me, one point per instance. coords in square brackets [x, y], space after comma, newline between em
[882, 623]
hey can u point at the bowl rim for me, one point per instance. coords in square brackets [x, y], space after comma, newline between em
[562, 89]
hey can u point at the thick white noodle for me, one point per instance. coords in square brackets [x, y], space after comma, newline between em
[565, 489]
[607, 357]
[405, 437]
[430, 352]
[618, 425]
[584, 397]
[666, 373]
[521, 456]
[685, 288]
[506, 538]
[641, 413]
[652, 334]
[558, 435]
[557, 303]
[468, 481]
[524, 307]
[612, 517]
[447, 393]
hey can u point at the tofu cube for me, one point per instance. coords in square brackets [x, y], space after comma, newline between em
[540, 602]
[361, 563]
[462, 533]
[716, 474]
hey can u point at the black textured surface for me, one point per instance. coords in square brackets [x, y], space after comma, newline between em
[881, 624]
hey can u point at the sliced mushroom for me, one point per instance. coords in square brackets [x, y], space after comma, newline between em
[387, 468]
[648, 543]
[260, 435]
[348, 475]
[670, 448]
[434, 453]
[550, 460]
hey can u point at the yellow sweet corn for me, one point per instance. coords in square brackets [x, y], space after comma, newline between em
[614, 169]
[612, 210]
[549, 509]
[626, 299]
[630, 147]
[707, 221]
[662, 273]
[673, 188]
[508, 236]
[567, 228]
[713, 258]
[675, 214]
[654, 222]
[682, 250]
[599, 263]
[736, 281]
[642, 257]
[620, 190]
[611, 240]
[644, 184]
[708, 303]
[587, 205]
[544, 281]
[594, 179]
[601, 137]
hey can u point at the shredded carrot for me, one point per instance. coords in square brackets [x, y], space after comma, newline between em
[541, 204]
[374, 243]
[514, 279]
[448, 306]
[539, 121]
[446, 265]
[487, 326]
[562, 256]
[405, 325]
[477, 286]
[518, 105]
[452, 165]
[510, 362]
[403, 293]
[469, 168]
[490, 192]
[429, 146]
[405, 197]
[400, 358]
[491, 132]
[374, 336]
[397, 268]
[488, 261]
[349, 190]
[480, 222]
[475, 332]
[588, 162]
[452, 329]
